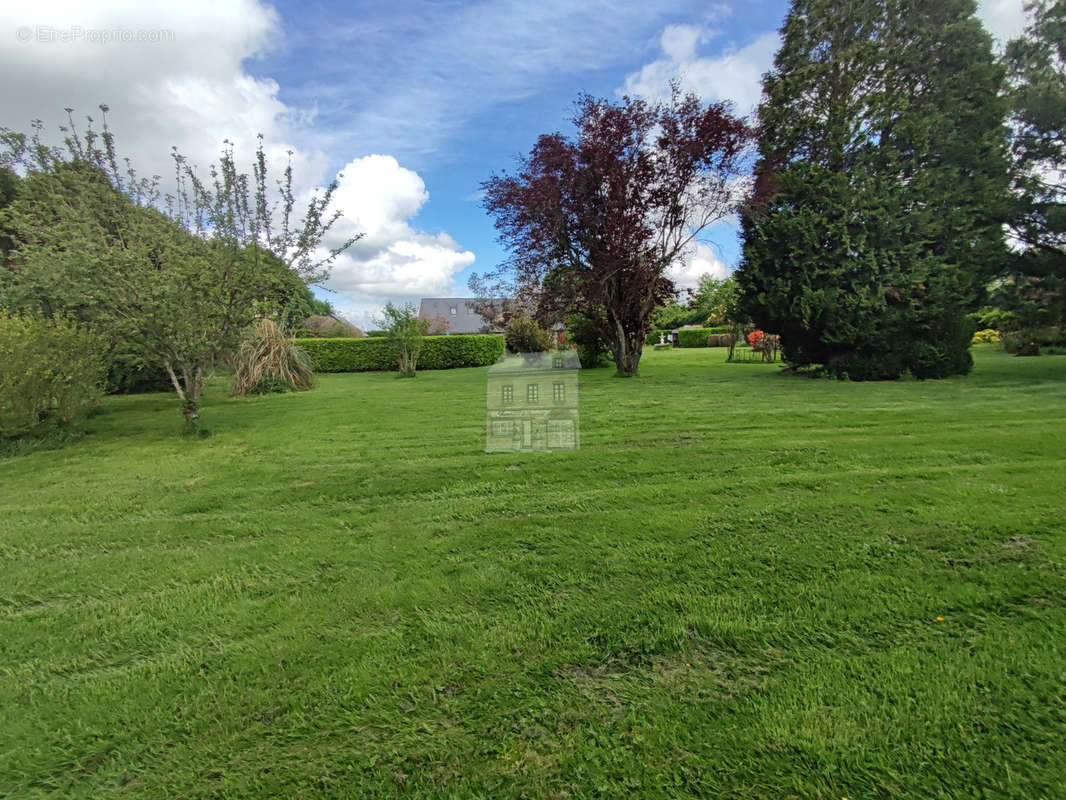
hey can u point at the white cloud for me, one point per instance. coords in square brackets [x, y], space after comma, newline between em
[186, 86]
[1004, 19]
[732, 74]
[393, 261]
[701, 259]
[190, 86]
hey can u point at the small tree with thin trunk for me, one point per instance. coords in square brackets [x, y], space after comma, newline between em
[175, 279]
[404, 330]
[594, 222]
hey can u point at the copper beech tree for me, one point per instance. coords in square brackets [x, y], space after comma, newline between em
[594, 222]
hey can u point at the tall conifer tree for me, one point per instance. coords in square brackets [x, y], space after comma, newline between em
[880, 188]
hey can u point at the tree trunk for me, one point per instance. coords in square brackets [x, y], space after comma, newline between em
[626, 350]
[189, 388]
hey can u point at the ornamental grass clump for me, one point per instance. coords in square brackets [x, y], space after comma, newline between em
[267, 360]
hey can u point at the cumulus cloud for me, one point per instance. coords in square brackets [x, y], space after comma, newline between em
[179, 75]
[731, 74]
[393, 260]
[173, 75]
[701, 259]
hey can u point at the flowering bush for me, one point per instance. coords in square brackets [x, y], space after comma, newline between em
[986, 336]
[755, 339]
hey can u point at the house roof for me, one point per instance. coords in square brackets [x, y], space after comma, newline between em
[464, 320]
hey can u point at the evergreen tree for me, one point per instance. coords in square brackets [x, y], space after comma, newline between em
[880, 188]
[1035, 288]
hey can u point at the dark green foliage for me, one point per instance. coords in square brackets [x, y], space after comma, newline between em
[524, 335]
[696, 337]
[349, 355]
[592, 349]
[877, 215]
[1033, 341]
[1035, 291]
[130, 375]
[461, 350]
[376, 334]
[374, 354]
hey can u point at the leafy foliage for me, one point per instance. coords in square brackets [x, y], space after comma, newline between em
[593, 222]
[404, 334]
[1035, 291]
[524, 335]
[592, 350]
[267, 360]
[172, 281]
[51, 374]
[876, 219]
[375, 354]
[696, 337]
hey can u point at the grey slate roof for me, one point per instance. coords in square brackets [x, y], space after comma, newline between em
[464, 320]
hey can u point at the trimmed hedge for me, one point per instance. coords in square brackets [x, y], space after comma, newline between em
[694, 337]
[375, 354]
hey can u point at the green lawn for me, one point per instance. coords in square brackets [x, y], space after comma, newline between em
[734, 589]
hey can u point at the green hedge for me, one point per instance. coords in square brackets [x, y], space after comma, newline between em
[374, 354]
[695, 337]
[690, 335]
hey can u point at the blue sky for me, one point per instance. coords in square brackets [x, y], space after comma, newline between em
[417, 102]
[455, 91]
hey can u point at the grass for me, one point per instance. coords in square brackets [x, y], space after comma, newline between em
[743, 585]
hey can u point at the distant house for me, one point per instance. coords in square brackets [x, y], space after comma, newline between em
[532, 403]
[453, 315]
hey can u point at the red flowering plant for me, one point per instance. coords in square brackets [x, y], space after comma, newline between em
[755, 339]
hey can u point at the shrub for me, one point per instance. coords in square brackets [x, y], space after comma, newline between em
[945, 351]
[375, 354]
[987, 336]
[267, 360]
[591, 348]
[653, 336]
[127, 374]
[1030, 341]
[720, 339]
[693, 337]
[523, 335]
[862, 366]
[405, 332]
[755, 339]
[51, 374]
